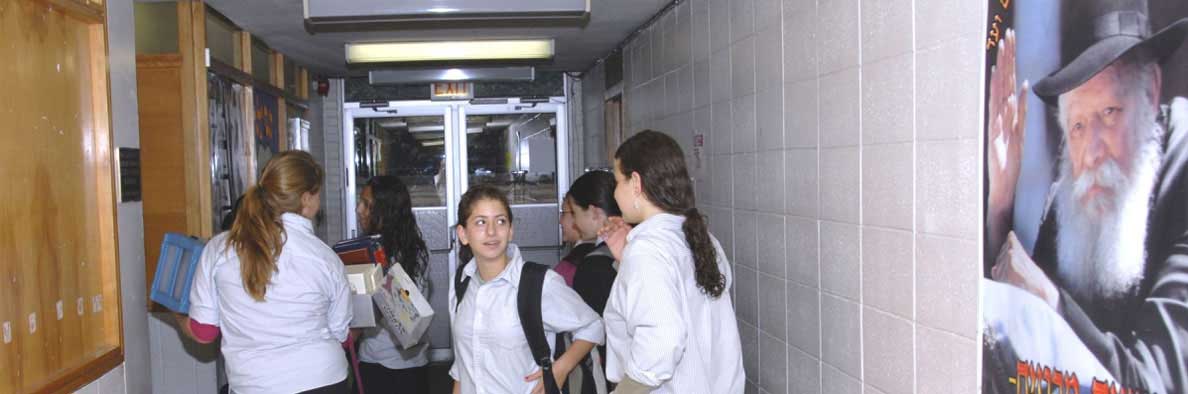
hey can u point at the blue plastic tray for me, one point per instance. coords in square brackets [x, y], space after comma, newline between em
[175, 271]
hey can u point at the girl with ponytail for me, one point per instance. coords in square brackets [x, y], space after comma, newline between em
[670, 323]
[274, 291]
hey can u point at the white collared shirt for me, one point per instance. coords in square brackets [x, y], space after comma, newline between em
[662, 331]
[491, 354]
[291, 341]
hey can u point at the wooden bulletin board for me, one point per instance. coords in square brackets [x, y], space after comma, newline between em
[59, 298]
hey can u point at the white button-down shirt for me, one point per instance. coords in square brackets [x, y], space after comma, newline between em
[291, 341]
[662, 331]
[491, 354]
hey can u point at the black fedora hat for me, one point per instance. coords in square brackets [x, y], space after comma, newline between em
[1117, 27]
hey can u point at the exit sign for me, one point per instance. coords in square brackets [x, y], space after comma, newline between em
[452, 91]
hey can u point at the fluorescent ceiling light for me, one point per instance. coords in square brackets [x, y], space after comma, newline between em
[423, 75]
[426, 128]
[433, 143]
[444, 51]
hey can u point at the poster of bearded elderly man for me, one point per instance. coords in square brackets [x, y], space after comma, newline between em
[1086, 205]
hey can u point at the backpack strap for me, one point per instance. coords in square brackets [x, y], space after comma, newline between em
[461, 281]
[528, 302]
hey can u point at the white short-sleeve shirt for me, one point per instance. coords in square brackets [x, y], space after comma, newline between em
[291, 341]
[661, 330]
[491, 354]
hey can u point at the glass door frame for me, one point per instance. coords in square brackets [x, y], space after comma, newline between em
[351, 111]
[455, 113]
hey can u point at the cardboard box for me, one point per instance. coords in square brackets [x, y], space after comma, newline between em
[364, 280]
[403, 307]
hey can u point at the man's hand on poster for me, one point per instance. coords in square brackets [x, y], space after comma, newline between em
[1015, 267]
[1007, 120]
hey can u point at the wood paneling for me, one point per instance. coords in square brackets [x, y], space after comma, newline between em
[162, 153]
[191, 20]
[58, 236]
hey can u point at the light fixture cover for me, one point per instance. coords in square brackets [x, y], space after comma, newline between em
[463, 74]
[319, 13]
[449, 51]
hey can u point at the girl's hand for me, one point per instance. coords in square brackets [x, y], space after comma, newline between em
[615, 233]
[560, 373]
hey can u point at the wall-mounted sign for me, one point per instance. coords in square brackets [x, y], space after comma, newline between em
[451, 91]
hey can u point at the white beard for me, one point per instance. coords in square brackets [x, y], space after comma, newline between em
[1101, 243]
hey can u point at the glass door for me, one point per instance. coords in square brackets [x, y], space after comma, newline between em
[519, 149]
[439, 150]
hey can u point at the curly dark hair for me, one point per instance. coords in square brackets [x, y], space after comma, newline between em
[392, 217]
[660, 163]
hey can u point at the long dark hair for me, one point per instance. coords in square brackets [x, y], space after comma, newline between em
[466, 205]
[392, 217]
[661, 165]
[257, 233]
[595, 188]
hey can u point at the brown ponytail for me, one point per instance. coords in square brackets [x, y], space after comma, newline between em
[257, 234]
[660, 163]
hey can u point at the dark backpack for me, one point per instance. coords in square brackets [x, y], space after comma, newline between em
[528, 303]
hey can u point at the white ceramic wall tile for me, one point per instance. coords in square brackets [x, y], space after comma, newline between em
[746, 239]
[943, 20]
[672, 94]
[749, 336]
[838, 108]
[720, 76]
[771, 241]
[838, 41]
[888, 359]
[745, 132]
[947, 274]
[943, 112]
[948, 191]
[719, 25]
[685, 89]
[113, 382]
[768, 13]
[801, 114]
[887, 185]
[742, 67]
[701, 84]
[700, 29]
[801, 187]
[840, 260]
[951, 365]
[887, 271]
[769, 117]
[834, 381]
[721, 114]
[804, 372]
[773, 307]
[744, 181]
[746, 292]
[742, 19]
[839, 183]
[886, 29]
[773, 364]
[800, 45]
[804, 318]
[803, 251]
[887, 101]
[841, 339]
[769, 56]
